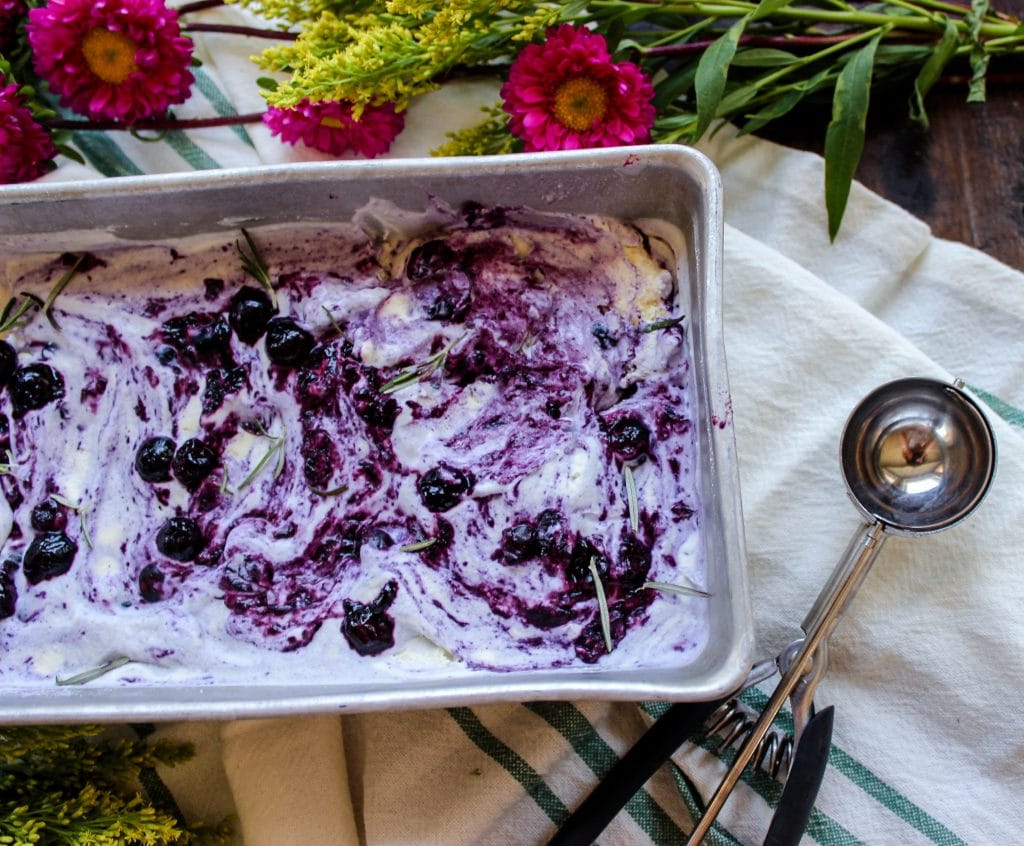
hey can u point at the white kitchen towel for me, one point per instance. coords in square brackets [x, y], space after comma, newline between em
[926, 670]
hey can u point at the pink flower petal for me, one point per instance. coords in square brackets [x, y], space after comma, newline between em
[569, 52]
[162, 78]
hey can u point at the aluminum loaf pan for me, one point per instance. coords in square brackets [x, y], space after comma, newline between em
[668, 183]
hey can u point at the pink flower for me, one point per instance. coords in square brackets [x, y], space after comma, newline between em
[567, 93]
[120, 60]
[25, 147]
[11, 13]
[330, 127]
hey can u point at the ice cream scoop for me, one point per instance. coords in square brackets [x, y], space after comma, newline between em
[917, 456]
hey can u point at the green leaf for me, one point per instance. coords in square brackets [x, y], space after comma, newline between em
[774, 110]
[931, 71]
[763, 57]
[844, 139]
[767, 8]
[673, 86]
[738, 98]
[266, 83]
[712, 73]
[786, 101]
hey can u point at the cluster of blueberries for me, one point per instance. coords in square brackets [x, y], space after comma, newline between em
[33, 386]
[251, 315]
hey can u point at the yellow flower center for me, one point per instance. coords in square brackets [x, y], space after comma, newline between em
[580, 103]
[110, 55]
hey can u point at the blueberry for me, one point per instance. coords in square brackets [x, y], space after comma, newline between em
[519, 543]
[629, 437]
[442, 308]
[166, 355]
[553, 409]
[551, 535]
[319, 457]
[605, 339]
[153, 459]
[8, 362]
[193, 462]
[634, 562]
[49, 555]
[583, 552]
[34, 386]
[213, 338]
[151, 583]
[368, 628]
[287, 343]
[180, 539]
[442, 488]
[376, 409]
[8, 592]
[249, 312]
[432, 258]
[49, 516]
[379, 539]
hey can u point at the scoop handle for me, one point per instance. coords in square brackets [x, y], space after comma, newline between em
[833, 600]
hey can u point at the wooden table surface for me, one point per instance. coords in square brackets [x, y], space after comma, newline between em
[964, 176]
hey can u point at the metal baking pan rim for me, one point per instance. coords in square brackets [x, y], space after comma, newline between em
[195, 702]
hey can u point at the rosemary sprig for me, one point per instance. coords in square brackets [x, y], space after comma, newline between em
[419, 546]
[682, 590]
[276, 448]
[55, 292]
[632, 502]
[7, 468]
[254, 265]
[15, 309]
[602, 605]
[331, 492]
[663, 323]
[94, 673]
[334, 322]
[81, 509]
[420, 371]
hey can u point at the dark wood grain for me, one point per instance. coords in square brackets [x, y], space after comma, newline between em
[964, 176]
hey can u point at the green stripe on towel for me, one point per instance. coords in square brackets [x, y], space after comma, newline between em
[883, 793]
[718, 835]
[821, 827]
[191, 152]
[512, 762]
[104, 155]
[1009, 413]
[592, 749]
[221, 104]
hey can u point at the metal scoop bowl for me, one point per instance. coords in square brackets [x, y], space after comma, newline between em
[917, 456]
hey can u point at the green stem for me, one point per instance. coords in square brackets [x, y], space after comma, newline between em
[737, 8]
[935, 17]
[815, 57]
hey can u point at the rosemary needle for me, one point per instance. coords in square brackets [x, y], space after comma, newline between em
[419, 546]
[631, 499]
[682, 590]
[602, 605]
[94, 673]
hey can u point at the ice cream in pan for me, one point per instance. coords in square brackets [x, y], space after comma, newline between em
[347, 452]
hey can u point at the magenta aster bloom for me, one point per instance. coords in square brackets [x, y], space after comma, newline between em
[120, 60]
[567, 93]
[330, 127]
[25, 147]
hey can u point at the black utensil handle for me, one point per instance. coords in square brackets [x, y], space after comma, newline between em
[630, 773]
[797, 800]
